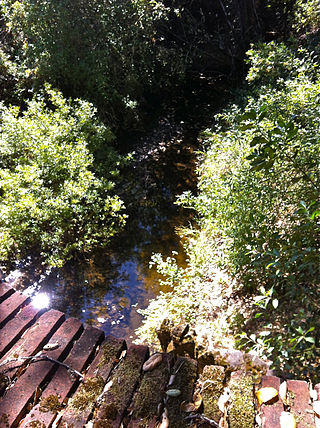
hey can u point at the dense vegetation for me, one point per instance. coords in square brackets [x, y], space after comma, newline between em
[51, 198]
[74, 76]
[255, 251]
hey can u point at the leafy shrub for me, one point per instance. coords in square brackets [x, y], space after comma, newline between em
[306, 16]
[258, 204]
[105, 51]
[273, 63]
[51, 199]
[196, 295]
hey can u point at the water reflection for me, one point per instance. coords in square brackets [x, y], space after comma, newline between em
[108, 289]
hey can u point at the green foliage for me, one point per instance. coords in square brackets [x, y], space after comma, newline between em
[51, 199]
[259, 192]
[196, 295]
[289, 341]
[105, 51]
[273, 63]
[306, 15]
[258, 203]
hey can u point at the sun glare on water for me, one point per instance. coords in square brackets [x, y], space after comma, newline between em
[40, 301]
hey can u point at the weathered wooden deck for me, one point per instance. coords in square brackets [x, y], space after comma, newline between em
[98, 382]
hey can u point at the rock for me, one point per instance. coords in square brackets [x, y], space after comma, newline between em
[231, 358]
[256, 363]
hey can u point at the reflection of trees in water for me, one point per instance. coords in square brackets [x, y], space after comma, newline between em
[113, 284]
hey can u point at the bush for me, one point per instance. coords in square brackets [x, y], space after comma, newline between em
[104, 51]
[51, 199]
[258, 204]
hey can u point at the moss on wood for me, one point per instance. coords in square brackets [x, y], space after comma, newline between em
[88, 393]
[211, 382]
[50, 404]
[186, 373]
[241, 410]
[110, 351]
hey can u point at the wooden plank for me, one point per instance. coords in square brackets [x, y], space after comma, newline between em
[124, 380]
[10, 306]
[17, 326]
[5, 291]
[299, 402]
[150, 394]
[213, 378]
[81, 405]
[271, 412]
[32, 341]
[63, 382]
[14, 404]
[107, 357]
[242, 409]
[185, 371]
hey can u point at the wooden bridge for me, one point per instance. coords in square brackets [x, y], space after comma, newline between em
[56, 372]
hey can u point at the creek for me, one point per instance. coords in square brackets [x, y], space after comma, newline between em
[109, 288]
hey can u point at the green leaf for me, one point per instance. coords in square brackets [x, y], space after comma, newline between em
[246, 127]
[259, 139]
[249, 115]
[309, 339]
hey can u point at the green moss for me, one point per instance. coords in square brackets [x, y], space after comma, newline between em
[151, 390]
[109, 353]
[110, 411]
[88, 393]
[184, 381]
[241, 411]
[211, 382]
[128, 375]
[147, 399]
[50, 404]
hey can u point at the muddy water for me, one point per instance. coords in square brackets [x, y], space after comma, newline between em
[108, 289]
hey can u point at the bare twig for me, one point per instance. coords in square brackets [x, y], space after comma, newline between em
[178, 369]
[42, 357]
[203, 419]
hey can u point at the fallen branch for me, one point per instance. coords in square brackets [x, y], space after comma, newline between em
[43, 357]
[203, 419]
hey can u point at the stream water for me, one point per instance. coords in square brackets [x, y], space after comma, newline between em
[108, 289]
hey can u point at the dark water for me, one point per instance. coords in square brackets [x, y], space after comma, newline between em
[108, 289]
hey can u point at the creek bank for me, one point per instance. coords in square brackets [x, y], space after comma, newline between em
[106, 289]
